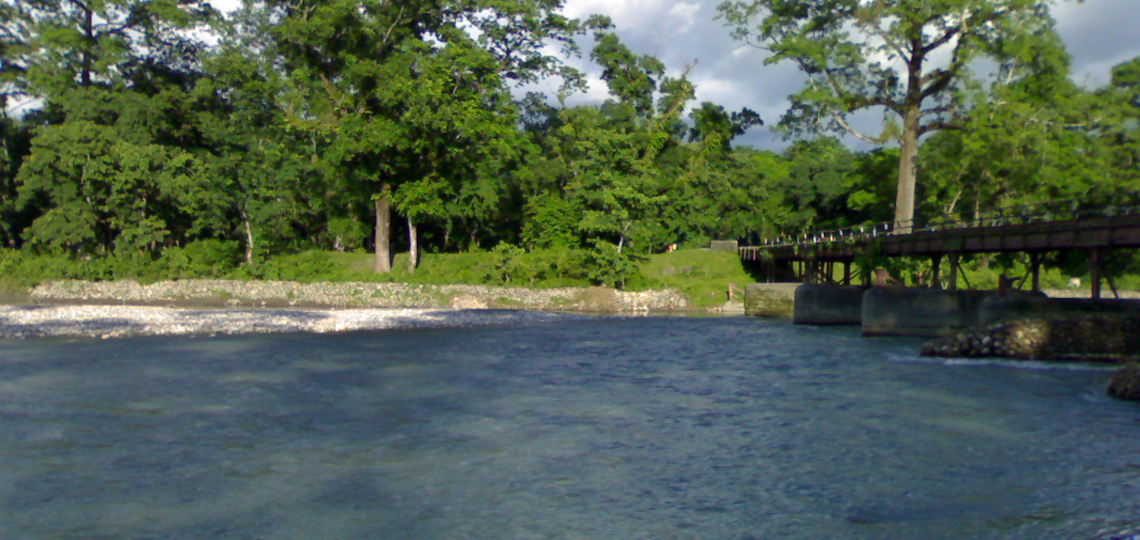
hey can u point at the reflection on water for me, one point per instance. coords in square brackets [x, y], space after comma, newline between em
[601, 429]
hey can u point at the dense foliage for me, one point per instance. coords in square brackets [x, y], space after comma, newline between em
[161, 137]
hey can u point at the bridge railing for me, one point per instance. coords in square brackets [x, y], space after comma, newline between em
[1046, 212]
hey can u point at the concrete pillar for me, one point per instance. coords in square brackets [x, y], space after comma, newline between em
[934, 281]
[1035, 269]
[1094, 269]
[897, 311]
[953, 285]
[770, 299]
[828, 304]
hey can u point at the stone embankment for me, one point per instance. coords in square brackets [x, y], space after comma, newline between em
[1092, 338]
[1097, 338]
[225, 293]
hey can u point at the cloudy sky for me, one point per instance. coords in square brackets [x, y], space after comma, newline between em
[1098, 33]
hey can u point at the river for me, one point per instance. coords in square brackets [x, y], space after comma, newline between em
[608, 428]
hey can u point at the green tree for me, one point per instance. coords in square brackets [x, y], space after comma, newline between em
[351, 62]
[85, 42]
[103, 192]
[263, 181]
[1122, 105]
[14, 35]
[1026, 140]
[815, 190]
[711, 120]
[461, 124]
[881, 55]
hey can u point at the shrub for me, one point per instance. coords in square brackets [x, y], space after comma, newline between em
[202, 259]
[509, 263]
[605, 265]
[308, 266]
[550, 222]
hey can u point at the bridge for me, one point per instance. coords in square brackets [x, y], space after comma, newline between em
[1034, 230]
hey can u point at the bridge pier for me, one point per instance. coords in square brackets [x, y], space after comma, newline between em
[817, 304]
[934, 278]
[953, 285]
[1035, 270]
[1095, 256]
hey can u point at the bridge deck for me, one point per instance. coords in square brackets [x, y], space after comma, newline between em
[1088, 233]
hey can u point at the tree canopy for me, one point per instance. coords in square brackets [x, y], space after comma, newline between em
[882, 54]
[164, 130]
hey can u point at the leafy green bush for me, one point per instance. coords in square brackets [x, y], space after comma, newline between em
[605, 265]
[136, 265]
[202, 259]
[305, 267]
[23, 268]
[555, 268]
[508, 263]
[550, 222]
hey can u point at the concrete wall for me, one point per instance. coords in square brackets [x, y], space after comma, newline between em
[1000, 308]
[724, 245]
[828, 304]
[770, 299]
[896, 311]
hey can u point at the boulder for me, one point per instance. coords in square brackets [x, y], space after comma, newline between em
[1125, 383]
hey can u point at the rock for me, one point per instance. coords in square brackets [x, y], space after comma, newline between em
[1090, 337]
[1125, 383]
[208, 293]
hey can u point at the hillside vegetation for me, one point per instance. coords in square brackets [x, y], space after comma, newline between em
[311, 140]
[702, 276]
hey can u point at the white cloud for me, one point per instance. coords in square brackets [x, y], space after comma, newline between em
[225, 5]
[686, 13]
[625, 13]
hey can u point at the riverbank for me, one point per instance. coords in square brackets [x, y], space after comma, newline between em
[288, 294]
[20, 322]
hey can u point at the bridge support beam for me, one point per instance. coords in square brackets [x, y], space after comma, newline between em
[1035, 269]
[934, 262]
[1095, 256]
[953, 285]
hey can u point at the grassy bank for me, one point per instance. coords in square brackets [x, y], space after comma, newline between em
[702, 276]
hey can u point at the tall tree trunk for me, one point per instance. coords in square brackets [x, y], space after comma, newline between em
[383, 231]
[88, 47]
[908, 167]
[977, 206]
[413, 246]
[621, 238]
[248, 238]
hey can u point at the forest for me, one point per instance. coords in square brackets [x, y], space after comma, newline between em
[163, 137]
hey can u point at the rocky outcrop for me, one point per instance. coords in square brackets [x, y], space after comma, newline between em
[1099, 338]
[227, 293]
[1125, 383]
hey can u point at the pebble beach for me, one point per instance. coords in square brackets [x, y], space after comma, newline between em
[21, 322]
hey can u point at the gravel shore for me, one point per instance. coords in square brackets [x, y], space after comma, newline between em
[18, 322]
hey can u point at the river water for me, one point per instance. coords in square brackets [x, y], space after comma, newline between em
[643, 428]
